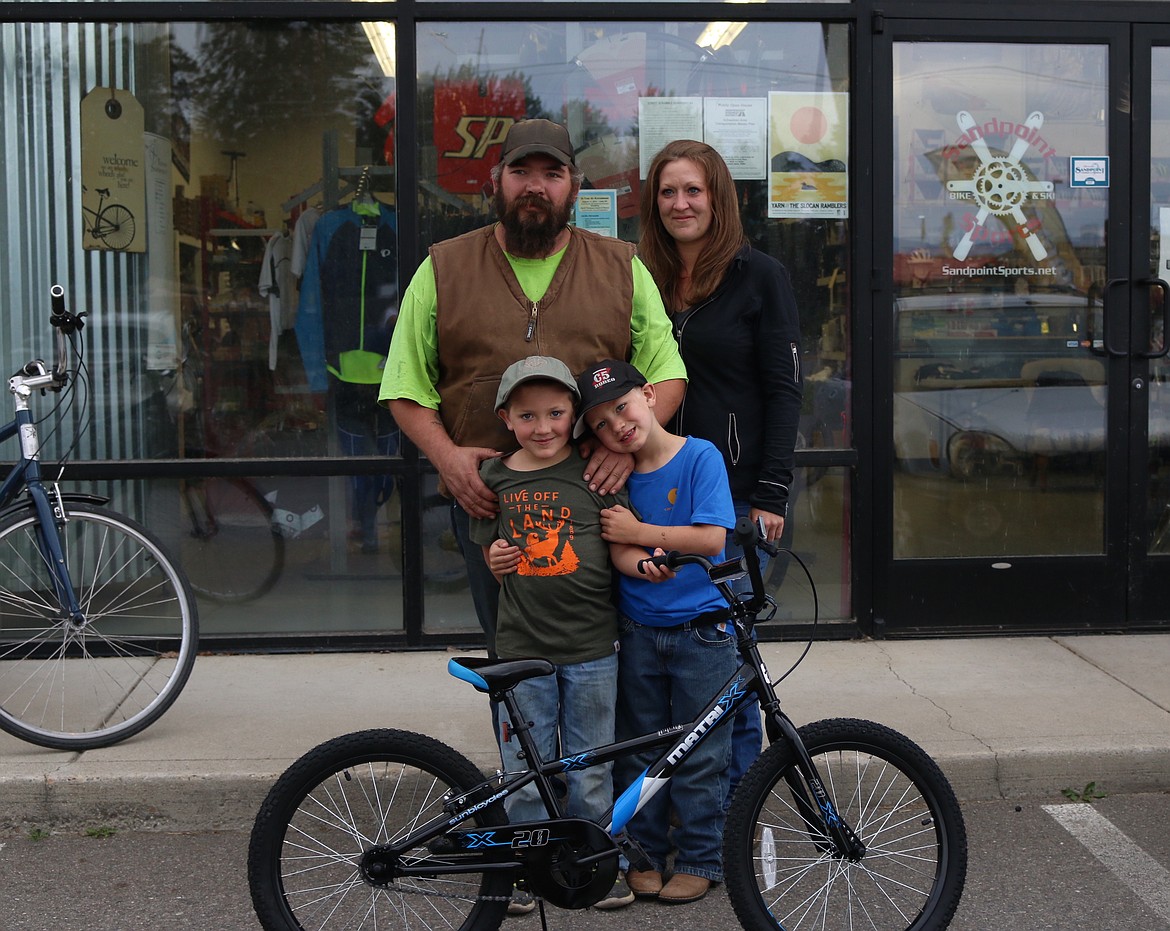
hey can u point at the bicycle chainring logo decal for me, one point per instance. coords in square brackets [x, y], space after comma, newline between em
[1001, 185]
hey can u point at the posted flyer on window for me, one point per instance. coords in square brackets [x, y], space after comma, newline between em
[664, 119]
[808, 141]
[737, 128]
[597, 210]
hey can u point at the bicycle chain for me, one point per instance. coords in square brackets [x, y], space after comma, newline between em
[453, 895]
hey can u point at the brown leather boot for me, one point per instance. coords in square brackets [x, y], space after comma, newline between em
[683, 888]
[645, 884]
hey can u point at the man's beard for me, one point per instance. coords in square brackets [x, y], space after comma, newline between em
[527, 235]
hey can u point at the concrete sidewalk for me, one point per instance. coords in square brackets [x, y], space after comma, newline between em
[1004, 717]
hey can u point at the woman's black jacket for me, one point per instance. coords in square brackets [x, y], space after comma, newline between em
[741, 347]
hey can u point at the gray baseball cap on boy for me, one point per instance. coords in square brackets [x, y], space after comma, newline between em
[532, 368]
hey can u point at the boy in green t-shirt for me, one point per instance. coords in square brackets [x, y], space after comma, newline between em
[555, 571]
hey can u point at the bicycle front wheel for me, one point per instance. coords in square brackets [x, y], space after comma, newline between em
[229, 546]
[115, 226]
[77, 686]
[782, 872]
[307, 863]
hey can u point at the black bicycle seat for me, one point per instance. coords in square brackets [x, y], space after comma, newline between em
[494, 675]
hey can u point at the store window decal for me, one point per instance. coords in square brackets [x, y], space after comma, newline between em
[1000, 185]
[472, 117]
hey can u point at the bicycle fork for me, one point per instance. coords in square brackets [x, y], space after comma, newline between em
[51, 515]
[827, 830]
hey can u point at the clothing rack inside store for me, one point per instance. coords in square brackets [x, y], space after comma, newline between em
[337, 182]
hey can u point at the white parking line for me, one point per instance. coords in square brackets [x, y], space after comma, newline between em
[1124, 859]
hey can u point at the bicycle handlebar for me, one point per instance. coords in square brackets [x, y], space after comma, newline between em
[66, 324]
[34, 374]
[747, 536]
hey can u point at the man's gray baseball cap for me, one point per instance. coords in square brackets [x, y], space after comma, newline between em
[529, 137]
[532, 368]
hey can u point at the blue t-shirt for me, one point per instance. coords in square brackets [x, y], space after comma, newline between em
[690, 489]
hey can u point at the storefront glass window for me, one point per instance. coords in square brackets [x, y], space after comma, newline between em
[221, 199]
[766, 98]
[165, 176]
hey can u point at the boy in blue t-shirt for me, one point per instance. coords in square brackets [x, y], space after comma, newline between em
[670, 662]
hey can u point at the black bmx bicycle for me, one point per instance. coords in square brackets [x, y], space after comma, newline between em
[841, 824]
[98, 626]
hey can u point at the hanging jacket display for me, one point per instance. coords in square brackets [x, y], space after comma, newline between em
[349, 295]
[278, 285]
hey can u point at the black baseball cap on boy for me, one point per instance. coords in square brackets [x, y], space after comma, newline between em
[604, 381]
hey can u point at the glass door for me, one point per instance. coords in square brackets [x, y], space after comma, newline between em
[1002, 332]
[1150, 444]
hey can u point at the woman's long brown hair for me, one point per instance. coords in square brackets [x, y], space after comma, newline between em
[657, 247]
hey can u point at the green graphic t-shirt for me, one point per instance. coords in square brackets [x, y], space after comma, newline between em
[558, 603]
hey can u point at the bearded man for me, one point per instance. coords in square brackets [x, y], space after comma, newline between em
[529, 284]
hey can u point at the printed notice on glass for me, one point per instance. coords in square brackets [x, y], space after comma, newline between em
[737, 128]
[596, 210]
[662, 120]
[808, 139]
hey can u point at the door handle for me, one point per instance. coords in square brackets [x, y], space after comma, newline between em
[1113, 353]
[1161, 285]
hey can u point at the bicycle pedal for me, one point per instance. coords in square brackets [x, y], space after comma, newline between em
[634, 853]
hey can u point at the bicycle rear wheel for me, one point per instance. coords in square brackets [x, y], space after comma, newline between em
[782, 873]
[306, 859]
[77, 688]
[229, 547]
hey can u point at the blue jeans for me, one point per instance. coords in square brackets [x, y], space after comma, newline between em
[666, 676]
[747, 732]
[579, 700]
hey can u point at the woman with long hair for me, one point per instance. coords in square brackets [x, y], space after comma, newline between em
[735, 318]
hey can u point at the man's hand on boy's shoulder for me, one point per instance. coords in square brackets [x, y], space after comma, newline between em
[459, 470]
[606, 471]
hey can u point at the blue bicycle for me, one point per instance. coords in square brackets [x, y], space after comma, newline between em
[839, 824]
[98, 626]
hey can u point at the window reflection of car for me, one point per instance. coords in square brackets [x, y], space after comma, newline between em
[997, 385]
[1056, 411]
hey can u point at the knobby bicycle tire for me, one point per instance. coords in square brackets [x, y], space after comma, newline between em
[70, 688]
[228, 545]
[334, 804]
[781, 874]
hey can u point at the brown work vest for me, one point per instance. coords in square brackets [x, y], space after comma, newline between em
[486, 322]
